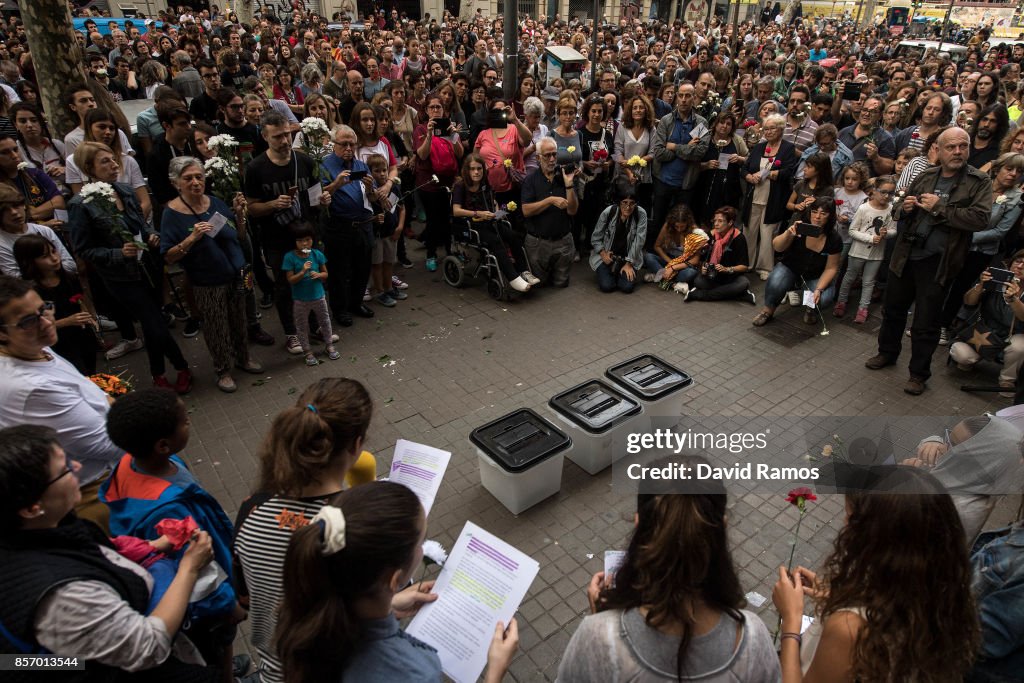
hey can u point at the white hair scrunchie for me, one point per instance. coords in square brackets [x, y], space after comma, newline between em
[332, 522]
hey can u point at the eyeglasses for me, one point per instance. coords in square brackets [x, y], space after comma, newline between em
[872, 112]
[885, 193]
[68, 469]
[345, 144]
[31, 321]
[548, 155]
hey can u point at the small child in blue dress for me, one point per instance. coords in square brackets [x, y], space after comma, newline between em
[306, 270]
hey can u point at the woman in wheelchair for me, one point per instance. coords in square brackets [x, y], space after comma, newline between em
[473, 201]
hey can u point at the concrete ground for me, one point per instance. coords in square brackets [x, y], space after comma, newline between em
[447, 361]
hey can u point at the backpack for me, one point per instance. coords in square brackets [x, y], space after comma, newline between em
[442, 157]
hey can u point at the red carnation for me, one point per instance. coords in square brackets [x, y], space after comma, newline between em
[77, 298]
[915, 135]
[749, 123]
[799, 496]
[839, 202]
[777, 164]
[177, 531]
[600, 154]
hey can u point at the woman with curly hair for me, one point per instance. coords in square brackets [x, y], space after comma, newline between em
[894, 600]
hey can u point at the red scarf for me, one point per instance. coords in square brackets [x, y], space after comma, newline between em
[721, 242]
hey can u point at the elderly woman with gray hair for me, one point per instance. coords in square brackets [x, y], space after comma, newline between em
[200, 231]
[769, 170]
[533, 112]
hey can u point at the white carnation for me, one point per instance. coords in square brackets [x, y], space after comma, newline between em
[22, 165]
[434, 552]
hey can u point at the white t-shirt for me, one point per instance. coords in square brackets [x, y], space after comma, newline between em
[8, 266]
[55, 394]
[130, 174]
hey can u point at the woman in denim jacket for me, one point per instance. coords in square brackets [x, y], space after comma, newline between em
[998, 585]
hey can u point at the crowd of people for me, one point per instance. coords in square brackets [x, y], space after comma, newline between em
[284, 165]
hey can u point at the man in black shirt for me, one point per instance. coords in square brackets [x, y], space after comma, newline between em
[549, 202]
[989, 129]
[232, 114]
[277, 189]
[176, 141]
[235, 72]
[205, 107]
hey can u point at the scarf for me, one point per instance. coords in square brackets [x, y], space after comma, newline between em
[721, 242]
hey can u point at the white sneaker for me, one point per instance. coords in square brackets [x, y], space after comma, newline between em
[366, 295]
[530, 278]
[944, 336]
[649, 277]
[520, 285]
[122, 348]
[106, 324]
[681, 288]
[398, 284]
[292, 345]
[794, 298]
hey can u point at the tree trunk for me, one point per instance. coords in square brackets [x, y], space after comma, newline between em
[56, 56]
[787, 14]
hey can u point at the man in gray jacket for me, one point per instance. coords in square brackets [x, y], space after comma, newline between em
[942, 207]
[680, 142]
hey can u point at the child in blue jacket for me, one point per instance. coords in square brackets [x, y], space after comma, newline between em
[152, 483]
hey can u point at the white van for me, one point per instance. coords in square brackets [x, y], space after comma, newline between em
[917, 49]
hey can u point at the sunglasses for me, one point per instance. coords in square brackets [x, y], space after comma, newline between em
[32, 321]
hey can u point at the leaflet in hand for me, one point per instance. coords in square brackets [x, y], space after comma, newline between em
[723, 161]
[700, 131]
[483, 582]
[419, 468]
[314, 193]
[808, 299]
[613, 559]
[217, 221]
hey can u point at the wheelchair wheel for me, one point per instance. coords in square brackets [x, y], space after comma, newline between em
[495, 289]
[454, 271]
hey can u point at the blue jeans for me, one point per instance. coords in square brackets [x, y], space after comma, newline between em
[653, 263]
[607, 281]
[782, 280]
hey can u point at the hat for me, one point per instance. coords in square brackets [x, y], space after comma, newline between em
[549, 93]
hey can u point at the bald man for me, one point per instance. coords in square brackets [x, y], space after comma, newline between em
[354, 85]
[942, 208]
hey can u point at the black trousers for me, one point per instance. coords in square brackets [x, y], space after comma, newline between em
[349, 248]
[282, 291]
[143, 300]
[917, 287]
[706, 289]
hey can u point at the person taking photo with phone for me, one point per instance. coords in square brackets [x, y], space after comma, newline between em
[810, 262]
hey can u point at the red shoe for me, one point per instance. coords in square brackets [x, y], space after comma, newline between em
[183, 384]
[840, 310]
[161, 381]
[862, 316]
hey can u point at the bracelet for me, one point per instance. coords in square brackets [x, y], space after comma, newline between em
[183, 249]
[795, 636]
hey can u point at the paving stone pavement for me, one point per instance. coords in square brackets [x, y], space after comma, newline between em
[456, 359]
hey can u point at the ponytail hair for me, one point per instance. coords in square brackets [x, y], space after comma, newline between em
[326, 422]
[317, 628]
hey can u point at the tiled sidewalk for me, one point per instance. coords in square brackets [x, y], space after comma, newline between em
[446, 361]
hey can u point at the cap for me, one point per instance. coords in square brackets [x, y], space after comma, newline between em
[549, 93]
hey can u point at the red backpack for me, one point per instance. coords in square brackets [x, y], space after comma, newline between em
[442, 157]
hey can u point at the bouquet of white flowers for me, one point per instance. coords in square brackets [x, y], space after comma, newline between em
[223, 169]
[315, 141]
[103, 197]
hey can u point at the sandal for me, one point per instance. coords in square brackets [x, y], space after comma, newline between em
[762, 318]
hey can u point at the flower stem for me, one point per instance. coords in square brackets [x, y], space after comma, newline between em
[796, 537]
